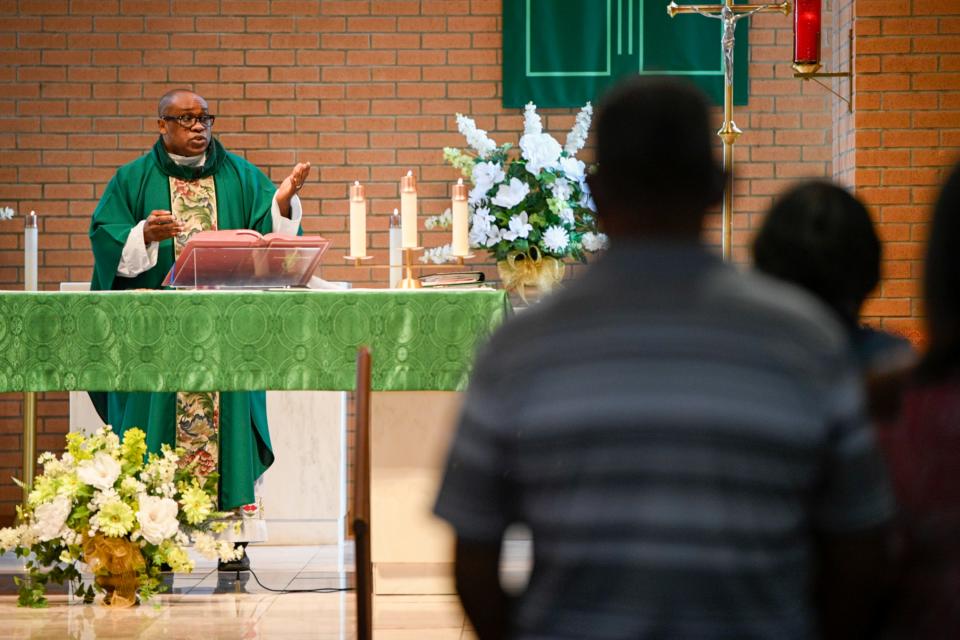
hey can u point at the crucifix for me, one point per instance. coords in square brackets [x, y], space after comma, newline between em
[728, 14]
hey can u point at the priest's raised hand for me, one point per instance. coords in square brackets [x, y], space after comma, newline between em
[291, 186]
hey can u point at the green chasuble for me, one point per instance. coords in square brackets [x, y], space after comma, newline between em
[244, 196]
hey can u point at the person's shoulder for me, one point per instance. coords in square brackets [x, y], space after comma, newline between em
[780, 308]
[240, 163]
[137, 166]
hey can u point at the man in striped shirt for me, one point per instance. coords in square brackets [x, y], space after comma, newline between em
[686, 443]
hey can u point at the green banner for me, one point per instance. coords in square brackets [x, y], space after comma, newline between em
[562, 53]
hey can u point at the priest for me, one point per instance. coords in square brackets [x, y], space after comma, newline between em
[185, 184]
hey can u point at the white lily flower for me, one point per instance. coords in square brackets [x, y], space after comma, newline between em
[519, 227]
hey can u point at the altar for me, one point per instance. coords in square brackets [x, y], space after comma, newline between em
[301, 346]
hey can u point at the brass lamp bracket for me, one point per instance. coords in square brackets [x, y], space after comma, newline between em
[810, 72]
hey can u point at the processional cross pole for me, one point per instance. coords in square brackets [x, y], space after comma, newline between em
[728, 14]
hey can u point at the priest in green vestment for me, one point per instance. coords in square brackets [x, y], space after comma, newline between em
[188, 183]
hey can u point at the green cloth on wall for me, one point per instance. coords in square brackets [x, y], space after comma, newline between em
[562, 53]
[242, 340]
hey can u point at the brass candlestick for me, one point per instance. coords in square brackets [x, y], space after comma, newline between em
[408, 281]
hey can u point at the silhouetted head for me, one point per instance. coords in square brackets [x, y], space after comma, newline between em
[185, 122]
[941, 283]
[821, 238]
[657, 173]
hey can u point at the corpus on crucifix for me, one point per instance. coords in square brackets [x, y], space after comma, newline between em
[728, 14]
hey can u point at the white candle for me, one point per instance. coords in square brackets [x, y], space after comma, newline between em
[396, 251]
[461, 247]
[408, 210]
[30, 252]
[358, 221]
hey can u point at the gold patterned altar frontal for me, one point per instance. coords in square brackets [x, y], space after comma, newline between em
[242, 341]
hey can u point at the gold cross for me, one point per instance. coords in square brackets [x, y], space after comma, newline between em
[728, 14]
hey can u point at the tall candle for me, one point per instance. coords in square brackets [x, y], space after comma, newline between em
[396, 252]
[30, 252]
[408, 210]
[461, 247]
[358, 221]
[806, 32]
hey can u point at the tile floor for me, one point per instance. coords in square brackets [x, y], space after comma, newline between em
[210, 606]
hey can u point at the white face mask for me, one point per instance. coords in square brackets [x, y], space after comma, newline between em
[188, 161]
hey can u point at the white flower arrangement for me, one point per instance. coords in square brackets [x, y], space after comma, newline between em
[537, 201]
[6, 213]
[104, 492]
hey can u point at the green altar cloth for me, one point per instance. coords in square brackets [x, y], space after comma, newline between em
[242, 340]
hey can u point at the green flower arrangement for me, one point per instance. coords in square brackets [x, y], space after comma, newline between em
[107, 506]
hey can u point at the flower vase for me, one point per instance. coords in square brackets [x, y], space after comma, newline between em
[528, 276]
[116, 564]
[119, 589]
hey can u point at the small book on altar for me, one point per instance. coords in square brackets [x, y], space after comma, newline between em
[459, 279]
[243, 258]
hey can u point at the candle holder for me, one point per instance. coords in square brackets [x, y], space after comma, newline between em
[408, 281]
[810, 72]
[357, 260]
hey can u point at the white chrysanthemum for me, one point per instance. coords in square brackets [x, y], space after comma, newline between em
[556, 239]
[532, 125]
[100, 472]
[512, 194]
[581, 128]
[574, 169]
[227, 551]
[541, 152]
[205, 545]
[594, 241]
[157, 518]
[476, 138]
[50, 518]
[6, 213]
[567, 217]
[519, 227]
[10, 537]
[561, 189]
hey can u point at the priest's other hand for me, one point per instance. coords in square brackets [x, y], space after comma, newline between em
[290, 186]
[161, 224]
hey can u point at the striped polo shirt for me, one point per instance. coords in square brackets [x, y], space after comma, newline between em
[673, 432]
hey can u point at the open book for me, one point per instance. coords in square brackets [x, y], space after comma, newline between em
[243, 258]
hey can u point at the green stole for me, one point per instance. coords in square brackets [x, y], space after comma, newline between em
[243, 200]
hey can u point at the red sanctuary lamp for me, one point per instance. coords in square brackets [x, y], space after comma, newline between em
[806, 35]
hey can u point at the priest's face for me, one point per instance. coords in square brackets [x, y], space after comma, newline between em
[182, 140]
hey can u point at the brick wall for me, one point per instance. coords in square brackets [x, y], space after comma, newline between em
[906, 135]
[364, 90]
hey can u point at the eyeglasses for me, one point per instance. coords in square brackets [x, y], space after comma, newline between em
[187, 120]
